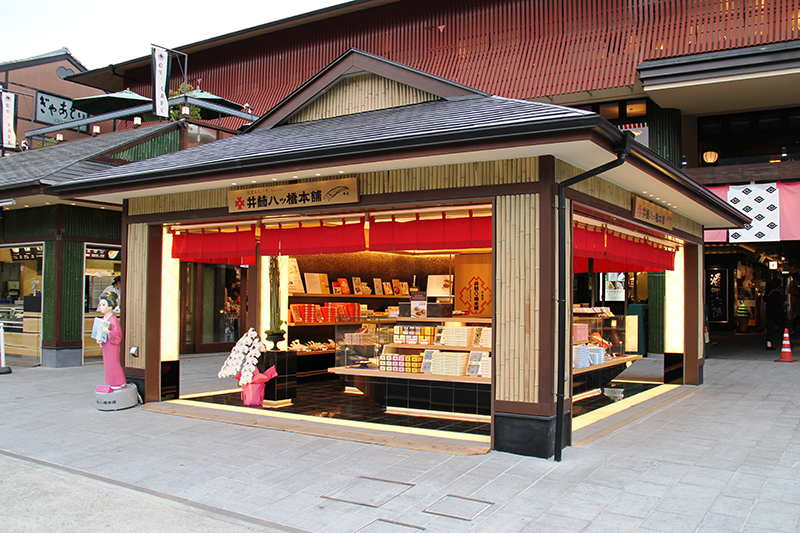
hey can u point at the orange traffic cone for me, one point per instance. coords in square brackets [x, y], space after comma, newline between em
[786, 351]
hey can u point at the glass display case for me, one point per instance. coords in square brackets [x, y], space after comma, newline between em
[360, 341]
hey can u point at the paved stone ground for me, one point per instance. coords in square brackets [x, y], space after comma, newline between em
[725, 458]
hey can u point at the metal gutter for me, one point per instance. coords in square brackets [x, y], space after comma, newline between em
[622, 154]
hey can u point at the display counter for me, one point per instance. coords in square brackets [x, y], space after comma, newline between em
[23, 331]
[422, 366]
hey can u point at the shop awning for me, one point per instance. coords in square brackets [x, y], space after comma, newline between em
[315, 237]
[237, 247]
[612, 251]
[440, 233]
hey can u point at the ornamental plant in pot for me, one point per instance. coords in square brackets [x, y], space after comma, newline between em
[275, 333]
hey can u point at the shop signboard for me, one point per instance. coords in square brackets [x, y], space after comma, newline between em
[308, 194]
[102, 253]
[717, 294]
[652, 213]
[53, 109]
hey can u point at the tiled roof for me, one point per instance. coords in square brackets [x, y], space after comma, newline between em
[66, 161]
[385, 129]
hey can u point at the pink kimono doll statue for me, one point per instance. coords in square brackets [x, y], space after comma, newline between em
[114, 375]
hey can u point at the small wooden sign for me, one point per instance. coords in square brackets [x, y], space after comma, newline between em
[310, 194]
[652, 213]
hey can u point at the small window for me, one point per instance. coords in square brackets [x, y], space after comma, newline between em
[609, 111]
[636, 108]
[710, 127]
[739, 124]
[769, 122]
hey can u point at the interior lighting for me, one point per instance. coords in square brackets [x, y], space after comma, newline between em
[710, 157]
[185, 110]
[137, 121]
[95, 130]
[59, 137]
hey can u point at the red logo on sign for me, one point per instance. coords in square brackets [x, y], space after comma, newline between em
[477, 295]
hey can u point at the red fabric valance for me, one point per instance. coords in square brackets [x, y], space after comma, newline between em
[314, 238]
[617, 252]
[226, 248]
[431, 234]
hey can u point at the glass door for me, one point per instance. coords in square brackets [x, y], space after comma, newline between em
[212, 311]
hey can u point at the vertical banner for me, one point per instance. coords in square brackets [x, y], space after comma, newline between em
[161, 66]
[9, 136]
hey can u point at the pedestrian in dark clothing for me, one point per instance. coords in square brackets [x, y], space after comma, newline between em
[776, 312]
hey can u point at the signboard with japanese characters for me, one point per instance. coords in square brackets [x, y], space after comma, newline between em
[9, 136]
[652, 213]
[310, 194]
[52, 109]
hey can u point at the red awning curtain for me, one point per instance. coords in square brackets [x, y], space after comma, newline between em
[314, 238]
[616, 252]
[216, 246]
[431, 234]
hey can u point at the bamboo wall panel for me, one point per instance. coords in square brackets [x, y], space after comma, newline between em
[29, 223]
[358, 94]
[513, 48]
[170, 300]
[72, 287]
[688, 225]
[92, 223]
[48, 295]
[479, 173]
[517, 321]
[136, 294]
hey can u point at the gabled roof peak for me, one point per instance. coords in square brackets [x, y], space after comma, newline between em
[355, 62]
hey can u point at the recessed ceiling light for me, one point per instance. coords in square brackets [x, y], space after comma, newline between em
[26, 205]
[341, 172]
[295, 177]
[233, 183]
[274, 179]
[72, 203]
[47, 203]
[252, 181]
[318, 174]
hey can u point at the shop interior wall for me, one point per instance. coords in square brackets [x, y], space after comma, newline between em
[369, 265]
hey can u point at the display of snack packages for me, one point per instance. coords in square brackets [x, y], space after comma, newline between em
[356, 285]
[580, 332]
[378, 286]
[474, 363]
[427, 361]
[344, 285]
[294, 280]
[419, 305]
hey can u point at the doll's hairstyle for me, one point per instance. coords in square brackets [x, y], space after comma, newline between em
[110, 299]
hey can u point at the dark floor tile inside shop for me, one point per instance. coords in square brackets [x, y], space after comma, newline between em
[326, 399]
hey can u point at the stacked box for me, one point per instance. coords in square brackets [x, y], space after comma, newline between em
[597, 354]
[414, 334]
[580, 356]
[580, 332]
[486, 338]
[400, 363]
[450, 363]
[456, 336]
[305, 313]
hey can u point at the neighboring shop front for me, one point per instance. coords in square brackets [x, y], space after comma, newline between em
[448, 182]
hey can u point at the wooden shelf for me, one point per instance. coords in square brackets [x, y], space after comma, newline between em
[611, 362]
[438, 347]
[361, 320]
[375, 373]
[429, 320]
[338, 296]
[315, 352]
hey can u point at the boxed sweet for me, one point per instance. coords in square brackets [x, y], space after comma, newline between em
[580, 332]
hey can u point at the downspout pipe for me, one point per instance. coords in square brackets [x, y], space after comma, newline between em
[622, 154]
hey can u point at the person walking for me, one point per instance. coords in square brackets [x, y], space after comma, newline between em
[776, 313]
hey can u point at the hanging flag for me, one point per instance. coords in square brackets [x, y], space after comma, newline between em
[161, 66]
[8, 134]
[761, 202]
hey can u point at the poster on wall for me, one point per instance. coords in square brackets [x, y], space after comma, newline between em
[717, 294]
[614, 287]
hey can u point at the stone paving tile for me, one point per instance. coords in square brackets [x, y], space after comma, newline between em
[671, 522]
[723, 522]
[774, 516]
[550, 522]
[613, 523]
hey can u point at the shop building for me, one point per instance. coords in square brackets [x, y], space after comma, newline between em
[57, 256]
[708, 86]
[447, 180]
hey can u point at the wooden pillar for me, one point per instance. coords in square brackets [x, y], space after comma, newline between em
[152, 368]
[694, 330]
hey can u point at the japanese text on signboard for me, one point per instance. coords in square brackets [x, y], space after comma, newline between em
[309, 194]
[652, 213]
[52, 109]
